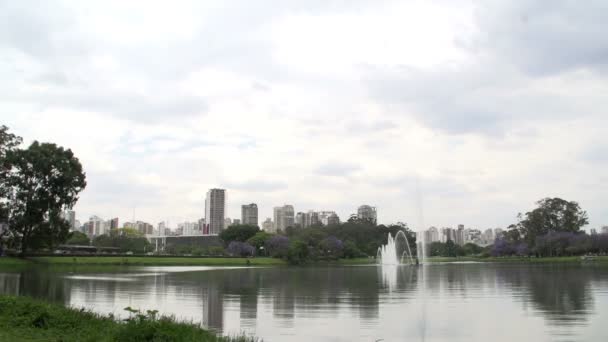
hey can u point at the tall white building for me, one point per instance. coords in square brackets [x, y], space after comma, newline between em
[70, 216]
[283, 217]
[249, 214]
[267, 225]
[366, 212]
[96, 226]
[215, 207]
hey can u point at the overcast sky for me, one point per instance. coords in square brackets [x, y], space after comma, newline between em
[437, 112]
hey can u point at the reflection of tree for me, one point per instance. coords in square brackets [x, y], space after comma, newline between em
[561, 292]
[39, 283]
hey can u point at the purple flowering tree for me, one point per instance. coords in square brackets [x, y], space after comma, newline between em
[242, 249]
[277, 246]
[331, 246]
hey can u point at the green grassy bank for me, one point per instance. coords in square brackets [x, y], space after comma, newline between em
[27, 319]
[155, 261]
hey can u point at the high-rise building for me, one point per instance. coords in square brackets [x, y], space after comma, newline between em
[227, 222]
[459, 239]
[70, 216]
[249, 214]
[324, 216]
[311, 219]
[236, 222]
[114, 223]
[300, 219]
[267, 225]
[333, 219]
[215, 206]
[283, 217]
[366, 212]
[605, 230]
[96, 226]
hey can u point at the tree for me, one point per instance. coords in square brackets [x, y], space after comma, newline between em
[78, 238]
[277, 246]
[8, 143]
[42, 182]
[297, 253]
[551, 215]
[242, 249]
[259, 240]
[331, 247]
[238, 232]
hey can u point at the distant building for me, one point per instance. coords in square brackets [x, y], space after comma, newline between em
[324, 216]
[227, 222]
[114, 223]
[605, 230]
[488, 237]
[366, 212]
[189, 228]
[267, 225]
[249, 214]
[70, 216]
[283, 217]
[96, 226]
[459, 238]
[432, 235]
[311, 219]
[215, 206]
[236, 222]
[333, 219]
[300, 219]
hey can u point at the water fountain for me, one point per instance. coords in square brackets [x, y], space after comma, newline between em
[391, 254]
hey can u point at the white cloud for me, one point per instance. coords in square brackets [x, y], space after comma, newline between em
[438, 112]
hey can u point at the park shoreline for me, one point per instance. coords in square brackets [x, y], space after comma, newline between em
[260, 261]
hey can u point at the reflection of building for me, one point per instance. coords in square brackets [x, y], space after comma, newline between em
[213, 307]
[215, 205]
[249, 214]
[283, 217]
[366, 212]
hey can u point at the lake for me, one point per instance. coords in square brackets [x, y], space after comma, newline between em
[438, 302]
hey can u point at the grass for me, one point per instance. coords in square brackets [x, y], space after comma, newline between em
[6, 261]
[27, 319]
[155, 261]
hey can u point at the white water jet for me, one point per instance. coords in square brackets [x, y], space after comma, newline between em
[389, 253]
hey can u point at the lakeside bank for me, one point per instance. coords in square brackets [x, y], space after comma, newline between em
[258, 261]
[28, 319]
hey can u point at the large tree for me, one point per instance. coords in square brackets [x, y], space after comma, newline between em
[42, 181]
[551, 215]
[8, 142]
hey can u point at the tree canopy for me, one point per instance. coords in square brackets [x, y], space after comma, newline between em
[238, 232]
[551, 215]
[38, 184]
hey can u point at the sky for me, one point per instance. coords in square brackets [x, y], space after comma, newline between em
[436, 112]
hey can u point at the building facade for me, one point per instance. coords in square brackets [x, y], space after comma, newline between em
[366, 212]
[283, 217]
[267, 225]
[249, 214]
[215, 206]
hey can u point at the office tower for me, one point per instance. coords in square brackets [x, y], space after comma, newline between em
[114, 223]
[70, 216]
[227, 222]
[215, 205]
[249, 214]
[283, 217]
[366, 212]
[333, 219]
[236, 222]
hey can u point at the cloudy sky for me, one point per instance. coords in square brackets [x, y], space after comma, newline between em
[437, 112]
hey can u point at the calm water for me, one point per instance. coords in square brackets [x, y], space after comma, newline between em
[456, 302]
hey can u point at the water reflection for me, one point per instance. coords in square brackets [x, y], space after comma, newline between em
[345, 303]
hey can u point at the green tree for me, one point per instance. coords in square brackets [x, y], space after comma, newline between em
[238, 232]
[78, 238]
[259, 240]
[297, 253]
[42, 182]
[8, 142]
[551, 215]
